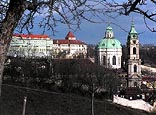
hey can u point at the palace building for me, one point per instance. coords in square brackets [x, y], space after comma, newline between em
[69, 47]
[30, 45]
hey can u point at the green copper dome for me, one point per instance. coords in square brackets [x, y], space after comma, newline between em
[109, 44]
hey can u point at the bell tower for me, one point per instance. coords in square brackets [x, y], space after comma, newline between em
[134, 61]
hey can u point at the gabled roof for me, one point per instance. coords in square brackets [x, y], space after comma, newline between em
[69, 35]
[60, 41]
[31, 36]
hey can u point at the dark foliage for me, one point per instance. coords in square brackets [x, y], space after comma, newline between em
[148, 55]
[91, 50]
[61, 75]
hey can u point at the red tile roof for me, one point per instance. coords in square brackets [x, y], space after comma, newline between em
[70, 35]
[32, 36]
[67, 41]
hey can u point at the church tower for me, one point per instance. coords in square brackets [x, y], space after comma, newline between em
[134, 61]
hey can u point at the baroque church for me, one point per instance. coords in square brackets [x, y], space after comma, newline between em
[109, 54]
[109, 50]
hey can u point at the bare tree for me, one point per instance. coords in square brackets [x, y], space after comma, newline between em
[22, 14]
[136, 6]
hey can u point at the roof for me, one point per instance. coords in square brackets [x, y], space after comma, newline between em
[109, 28]
[132, 30]
[109, 41]
[70, 35]
[61, 41]
[32, 36]
[132, 33]
[109, 44]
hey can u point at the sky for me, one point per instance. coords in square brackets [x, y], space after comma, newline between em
[92, 33]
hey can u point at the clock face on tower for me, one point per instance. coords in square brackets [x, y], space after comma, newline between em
[134, 36]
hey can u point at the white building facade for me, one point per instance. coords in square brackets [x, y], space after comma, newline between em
[25, 45]
[69, 47]
[109, 51]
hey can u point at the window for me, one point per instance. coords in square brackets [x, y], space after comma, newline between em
[135, 84]
[104, 60]
[114, 60]
[119, 60]
[134, 50]
[135, 68]
[107, 35]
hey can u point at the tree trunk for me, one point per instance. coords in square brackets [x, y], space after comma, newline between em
[2, 62]
[93, 93]
[13, 15]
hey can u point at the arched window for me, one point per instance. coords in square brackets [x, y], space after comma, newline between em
[135, 68]
[135, 84]
[104, 60]
[114, 60]
[107, 35]
[134, 50]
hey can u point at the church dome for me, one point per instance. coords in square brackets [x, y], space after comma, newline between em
[109, 44]
[109, 50]
[109, 41]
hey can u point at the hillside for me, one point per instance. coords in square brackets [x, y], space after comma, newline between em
[46, 103]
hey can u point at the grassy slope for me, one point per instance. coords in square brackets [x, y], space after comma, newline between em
[40, 103]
